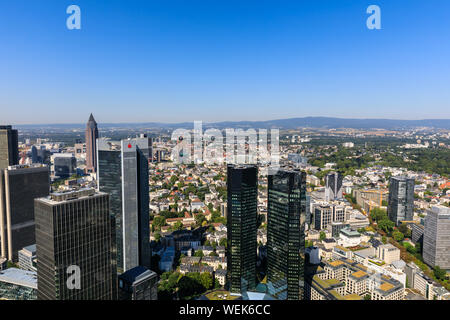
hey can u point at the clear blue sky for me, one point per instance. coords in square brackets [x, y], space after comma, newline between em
[216, 60]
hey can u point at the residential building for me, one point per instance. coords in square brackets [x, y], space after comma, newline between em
[221, 276]
[346, 279]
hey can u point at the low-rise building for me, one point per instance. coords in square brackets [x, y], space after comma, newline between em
[221, 276]
[347, 278]
[388, 253]
[27, 258]
[18, 284]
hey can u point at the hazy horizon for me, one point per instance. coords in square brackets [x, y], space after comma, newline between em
[170, 62]
[100, 123]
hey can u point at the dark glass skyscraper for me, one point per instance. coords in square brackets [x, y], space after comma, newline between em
[401, 199]
[19, 186]
[91, 144]
[9, 147]
[242, 187]
[333, 186]
[286, 216]
[75, 229]
[123, 173]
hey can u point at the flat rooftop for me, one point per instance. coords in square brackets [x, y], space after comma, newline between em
[19, 277]
[59, 197]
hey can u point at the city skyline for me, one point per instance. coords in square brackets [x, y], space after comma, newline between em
[181, 152]
[223, 61]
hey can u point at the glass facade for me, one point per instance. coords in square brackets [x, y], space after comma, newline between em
[138, 283]
[65, 166]
[10, 291]
[242, 227]
[9, 147]
[333, 186]
[21, 185]
[109, 177]
[401, 199]
[76, 231]
[286, 217]
[123, 173]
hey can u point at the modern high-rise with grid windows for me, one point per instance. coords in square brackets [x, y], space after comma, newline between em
[75, 229]
[123, 174]
[242, 187]
[401, 199]
[286, 217]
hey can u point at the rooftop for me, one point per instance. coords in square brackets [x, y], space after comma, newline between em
[19, 277]
[336, 263]
[386, 286]
[137, 274]
[359, 274]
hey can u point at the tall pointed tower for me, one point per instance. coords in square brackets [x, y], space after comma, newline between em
[91, 145]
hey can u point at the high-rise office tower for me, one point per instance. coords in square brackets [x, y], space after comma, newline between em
[91, 144]
[242, 187]
[333, 186]
[19, 186]
[286, 217]
[123, 173]
[9, 147]
[401, 199]
[436, 237]
[75, 246]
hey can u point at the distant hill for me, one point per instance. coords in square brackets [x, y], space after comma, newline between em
[293, 123]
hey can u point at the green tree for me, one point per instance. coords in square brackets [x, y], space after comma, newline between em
[198, 253]
[378, 214]
[322, 236]
[398, 236]
[158, 222]
[173, 179]
[206, 280]
[223, 242]
[199, 219]
[178, 225]
[386, 225]
[439, 273]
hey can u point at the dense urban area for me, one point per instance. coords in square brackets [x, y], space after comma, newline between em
[352, 214]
